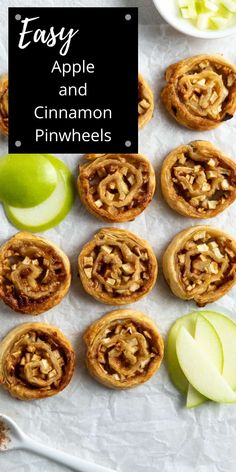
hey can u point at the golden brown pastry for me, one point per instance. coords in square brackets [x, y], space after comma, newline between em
[116, 187]
[201, 91]
[34, 274]
[117, 267]
[36, 361]
[200, 264]
[125, 349]
[198, 180]
[4, 105]
[145, 102]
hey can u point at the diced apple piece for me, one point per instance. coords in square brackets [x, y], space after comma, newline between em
[229, 5]
[200, 371]
[218, 22]
[203, 21]
[211, 5]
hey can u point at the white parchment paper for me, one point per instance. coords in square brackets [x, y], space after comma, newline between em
[147, 429]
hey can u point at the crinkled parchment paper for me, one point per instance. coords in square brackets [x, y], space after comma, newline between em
[146, 429]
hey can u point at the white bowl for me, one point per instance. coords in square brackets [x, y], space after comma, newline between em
[169, 10]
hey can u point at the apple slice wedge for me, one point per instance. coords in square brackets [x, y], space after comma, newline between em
[209, 341]
[176, 374]
[200, 371]
[226, 330]
[51, 212]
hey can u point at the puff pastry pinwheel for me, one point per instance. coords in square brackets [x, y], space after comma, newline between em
[117, 267]
[4, 104]
[34, 274]
[145, 102]
[198, 180]
[201, 91]
[200, 264]
[124, 349]
[36, 361]
[116, 187]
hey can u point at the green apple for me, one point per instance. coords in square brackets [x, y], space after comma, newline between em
[226, 330]
[176, 374]
[200, 371]
[53, 210]
[26, 179]
[209, 341]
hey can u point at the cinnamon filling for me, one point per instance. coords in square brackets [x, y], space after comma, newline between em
[125, 350]
[119, 185]
[30, 272]
[117, 268]
[36, 361]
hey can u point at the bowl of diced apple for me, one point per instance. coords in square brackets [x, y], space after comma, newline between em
[207, 19]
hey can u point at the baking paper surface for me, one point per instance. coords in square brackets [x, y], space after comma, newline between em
[148, 428]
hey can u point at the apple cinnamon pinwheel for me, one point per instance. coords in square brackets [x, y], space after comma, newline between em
[201, 91]
[198, 180]
[36, 361]
[116, 187]
[34, 274]
[145, 102]
[117, 267]
[4, 105]
[200, 264]
[124, 349]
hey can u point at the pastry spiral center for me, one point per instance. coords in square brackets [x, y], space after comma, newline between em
[117, 189]
[116, 267]
[35, 362]
[125, 350]
[118, 184]
[203, 93]
[206, 262]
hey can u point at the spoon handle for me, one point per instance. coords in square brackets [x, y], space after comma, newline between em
[60, 457]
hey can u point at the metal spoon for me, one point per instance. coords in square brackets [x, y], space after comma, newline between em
[19, 440]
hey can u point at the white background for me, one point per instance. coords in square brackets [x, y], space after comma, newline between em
[147, 429]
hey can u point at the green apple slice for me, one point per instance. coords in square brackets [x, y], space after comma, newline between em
[49, 213]
[26, 180]
[226, 330]
[209, 341]
[176, 374]
[200, 371]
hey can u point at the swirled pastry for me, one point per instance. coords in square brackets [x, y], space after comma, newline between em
[145, 102]
[200, 264]
[4, 105]
[34, 274]
[201, 91]
[116, 187]
[198, 180]
[124, 349]
[36, 361]
[117, 267]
